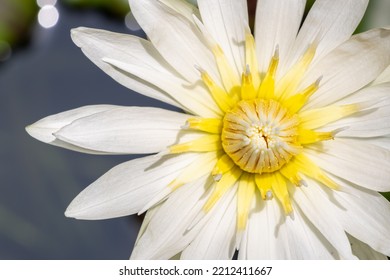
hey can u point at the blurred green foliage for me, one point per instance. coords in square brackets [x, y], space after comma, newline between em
[118, 8]
[16, 21]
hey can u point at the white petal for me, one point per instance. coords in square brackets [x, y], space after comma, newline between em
[361, 163]
[167, 232]
[384, 77]
[216, 240]
[301, 240]
[127, 188]
[319, 210]
[97, 44]
[383, 142]
[349, 67]
[182, 7]
[125, 130]
[365, 215]
[363, 251]
[192, 98]
[329, 23]
[265, 236]
[44, 129]
[226, 20]
[305, 241]
[372, 122]
[277, 24]
[176, 38]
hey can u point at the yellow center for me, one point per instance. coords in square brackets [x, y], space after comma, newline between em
[260, 135]
[256, 140]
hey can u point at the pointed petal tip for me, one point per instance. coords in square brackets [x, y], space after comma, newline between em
[40, 133]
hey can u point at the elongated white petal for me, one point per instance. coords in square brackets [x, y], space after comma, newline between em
[216, 240]
[318, 209]
[301, 240]
[44, 129]
[365, 215]
[329, 23]
[122, 130]
[384, 77]
[97, 44]
[372, 122]
[363, 251]
[305, 241]
[265, 236]
[184, 8]
[167, 231]
[361, 163]
[176, 38]
[127, 188]
[277, 24]
[349, 67]
[226, 20]
[194, 99]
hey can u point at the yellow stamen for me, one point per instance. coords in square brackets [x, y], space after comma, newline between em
[203, 144]
[264, 184]
[227, 181]
[307, 136]
[221, 97]
[309, 168]
[296, 102]
[289, 83]
[228, 77]
[279, 187]
[245, 193]
[206, 125]
[267, 87]
[247, 87]
[274, 183]
[223, 165]
[195, 170]
[251, 58]
[319, 117]
[290, 172]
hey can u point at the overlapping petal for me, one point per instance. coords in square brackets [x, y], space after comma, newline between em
[359, 162]
[227, 21]
[175, 37]
[349, 67]
[277, 24]
[127, 188]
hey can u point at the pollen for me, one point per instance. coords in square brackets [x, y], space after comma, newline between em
[260, 136]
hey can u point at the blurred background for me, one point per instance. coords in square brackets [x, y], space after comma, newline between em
[42, 73]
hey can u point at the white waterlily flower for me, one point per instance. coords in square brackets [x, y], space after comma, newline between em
[283, 145]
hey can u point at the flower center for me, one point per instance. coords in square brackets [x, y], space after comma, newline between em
[260, 136]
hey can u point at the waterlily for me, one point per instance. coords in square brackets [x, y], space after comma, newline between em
[280, 145]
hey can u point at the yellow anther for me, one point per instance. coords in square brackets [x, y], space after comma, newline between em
[223, 165]
[227, 181]
[264, 184]
[307, 136]
[195, 170]
[289, 83]
[206, 125]
[297, 101]
[319, 117]
[309, 168]
[229, 79]
[220, 96]
[290, 172]
[245, 194]
[247, 87]
[203, 144]
[267, 87]
[251, 58]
